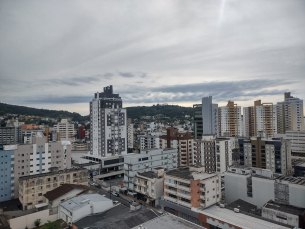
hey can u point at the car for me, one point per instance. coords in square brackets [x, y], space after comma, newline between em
[131, 201]
[104, 195]
[116, 202]
[115, 194]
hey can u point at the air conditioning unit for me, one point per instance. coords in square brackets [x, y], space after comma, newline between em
[236, 210]
[221, 205]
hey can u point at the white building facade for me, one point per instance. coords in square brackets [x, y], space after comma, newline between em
[108, 124]
[66, 130]
[146, 161]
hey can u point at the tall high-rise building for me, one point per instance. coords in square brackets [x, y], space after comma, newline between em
[290, 114]
[260, 117]
[230, 120]
[205, 117]
[108, 125]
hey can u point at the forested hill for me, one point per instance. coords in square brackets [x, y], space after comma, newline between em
[21, 110]
[171, 111]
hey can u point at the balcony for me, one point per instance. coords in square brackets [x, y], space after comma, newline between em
[202, 205]
[202, 197]
[170, 191]
[170, 184]
[189, 205]
[189, 197]
[170, 199]
[183, 188]
[202, 189]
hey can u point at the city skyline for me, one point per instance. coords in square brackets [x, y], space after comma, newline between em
[56, 55]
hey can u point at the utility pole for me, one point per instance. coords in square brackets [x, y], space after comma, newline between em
[110, 190]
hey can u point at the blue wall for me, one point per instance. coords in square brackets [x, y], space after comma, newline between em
[6, 187]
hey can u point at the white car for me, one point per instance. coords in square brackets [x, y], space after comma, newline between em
[116, 202]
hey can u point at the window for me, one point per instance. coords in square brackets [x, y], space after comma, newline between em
[54, 178]
[48, 186]
[74, 181]
[39, 194]
[40, 188]
[55, 185]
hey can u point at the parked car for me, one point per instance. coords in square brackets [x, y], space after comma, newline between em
[104, 195]
[116, 202]
[131, 201]
[115, 194]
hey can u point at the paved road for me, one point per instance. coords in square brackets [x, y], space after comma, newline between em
[120, 199]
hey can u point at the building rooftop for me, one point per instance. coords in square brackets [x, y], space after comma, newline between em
[63, 189]
[149, 174]
[169, 221]
[11, 205]
[239, 219]
[119, 216]
[185, 173]
[51, 173]
[284, 208]
[78, 202]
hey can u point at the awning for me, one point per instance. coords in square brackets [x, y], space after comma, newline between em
[41, 205]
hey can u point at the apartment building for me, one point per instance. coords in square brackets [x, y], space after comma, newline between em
[66, 130]
[32, 188]
[205, 118]
[230, 120]
[10, 135]
[7, 183]
[223, 151]
[183, 141]
[258, 186]
[148, 141]
[108, 124]
[149, 186]
[297, 140]
[29, 134]
[191, 187]
[146, 161]
[273, 154]
[204, 153]
[260, 117]
[130, 137]
[290, 114]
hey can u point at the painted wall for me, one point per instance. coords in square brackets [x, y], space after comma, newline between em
[28, 220]
[6, 175]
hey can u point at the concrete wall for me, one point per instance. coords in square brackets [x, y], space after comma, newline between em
[236, 188]
[297, 195]
[286, 218]
[28, 220]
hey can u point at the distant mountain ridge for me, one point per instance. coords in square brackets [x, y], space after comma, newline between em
[170, 111]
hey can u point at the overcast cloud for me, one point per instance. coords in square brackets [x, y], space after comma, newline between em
[57, 54]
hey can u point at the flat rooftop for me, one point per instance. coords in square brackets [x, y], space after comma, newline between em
[185, 173]
[51, 173]
[148, 174]
[169, 221]
[239, 219]
[118, 217]
[11, 205]
[284, 208]
[78, 202]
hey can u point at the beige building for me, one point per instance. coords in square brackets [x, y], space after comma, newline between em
[32, 188]
[66, 130]
[149, 186]
[38, 157]
[191, 187]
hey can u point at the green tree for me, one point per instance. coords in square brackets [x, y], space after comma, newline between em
[51, 225]
[37, 222]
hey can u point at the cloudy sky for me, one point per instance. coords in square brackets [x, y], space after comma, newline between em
[57, 54]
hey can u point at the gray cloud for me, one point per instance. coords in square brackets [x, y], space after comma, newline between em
[179, 50]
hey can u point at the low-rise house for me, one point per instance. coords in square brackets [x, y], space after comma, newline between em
[63, 193]
[81, 206]
[149, 186]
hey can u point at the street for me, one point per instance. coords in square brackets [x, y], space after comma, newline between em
[112, 197]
